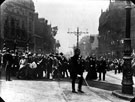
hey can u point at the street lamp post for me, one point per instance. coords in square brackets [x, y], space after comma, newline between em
[127, 80]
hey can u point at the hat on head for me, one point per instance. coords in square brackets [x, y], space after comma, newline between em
[77, 51]
[61, 54]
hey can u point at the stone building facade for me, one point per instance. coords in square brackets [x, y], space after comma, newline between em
[43, 36]
[17, 24]
[112, 25]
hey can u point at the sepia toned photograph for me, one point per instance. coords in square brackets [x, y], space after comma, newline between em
[67, 51]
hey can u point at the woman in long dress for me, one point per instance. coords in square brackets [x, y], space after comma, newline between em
[92, 74]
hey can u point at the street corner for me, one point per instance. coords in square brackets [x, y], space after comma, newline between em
[118, 93]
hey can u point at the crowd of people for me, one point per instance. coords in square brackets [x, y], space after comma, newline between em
[51, 66]
[33, 66]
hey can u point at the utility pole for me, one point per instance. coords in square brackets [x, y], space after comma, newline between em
[77, 33]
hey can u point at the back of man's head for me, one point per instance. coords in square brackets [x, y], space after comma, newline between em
[77, 51]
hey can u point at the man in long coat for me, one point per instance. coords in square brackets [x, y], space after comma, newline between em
[76, 71]
[7, 61]
[102, 68]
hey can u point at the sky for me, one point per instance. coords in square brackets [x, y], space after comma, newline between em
[70, 14]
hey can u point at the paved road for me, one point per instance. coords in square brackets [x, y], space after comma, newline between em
[31, 91]
[60, 91]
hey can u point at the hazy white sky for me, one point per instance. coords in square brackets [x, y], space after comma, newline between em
[71, 14]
